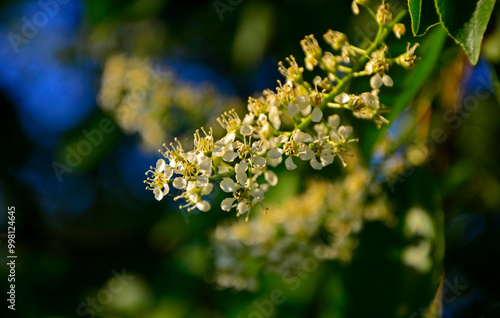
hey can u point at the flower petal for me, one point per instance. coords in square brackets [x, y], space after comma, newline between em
[274, 117]
[227, 204]
[293, 109]
[316, 115]
[246, 130]
[206, 190]
[333, 121]
[158, 194]
[342, 98]
[306, 153]
[271, 177]
[387, 80]
[168, 172]
[179, 183]
[160, 165]
[376, 81]
[242, 207]
[229, 156]
[275, 153]
[227, 185]
[259, 161]
[303, 101]
[241, 178]
[241, 167]
[203, 206]
[166, 189]
[290, 165]
[315, 164]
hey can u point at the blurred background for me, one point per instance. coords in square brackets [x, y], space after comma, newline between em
[91, 89]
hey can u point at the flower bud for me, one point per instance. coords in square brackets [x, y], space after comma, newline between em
[399, 30]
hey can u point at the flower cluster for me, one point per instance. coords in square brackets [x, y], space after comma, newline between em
[295, 122]
[143, 100]
[322, 223]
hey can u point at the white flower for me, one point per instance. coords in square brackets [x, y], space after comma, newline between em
[160, 178]
[243, 198]
[192, 197]
[323, 150]
[294, 146]
[371, 99]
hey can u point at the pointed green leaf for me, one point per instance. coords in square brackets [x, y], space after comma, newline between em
[423, 16]
[466, 22]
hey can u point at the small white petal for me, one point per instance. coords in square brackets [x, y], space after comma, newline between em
[202, 181]
[274, 117]
[335, 137]
[306, 153]
[227, 204]
[387, 80]
[376, 81]
[315, 164]
[275, 162]
[160, 165]
[290, 165]
[158, 194]
[301, 137]
[229, 156]
[275, 153]
[345, 131]
[293, 109]
[172, 163]
[316, 115]
[342, 98]
[241, 178]
[203, 206]
[258, 194]
[259, 161]
[242, 207]
[246, 130]
[168, 172]
[248, 119]
[227, 185]
[218, 151]
[166, 189]
[241, 167]
[226, 139]
[206, 190]
[191, 185]
[306, 111]
[179, 183]
[333, 121]
[271, 177]
[303, 101]
[205, 163]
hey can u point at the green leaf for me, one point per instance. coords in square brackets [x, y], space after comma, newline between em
[466, 21]
[423, 16]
